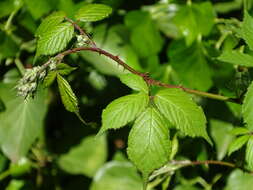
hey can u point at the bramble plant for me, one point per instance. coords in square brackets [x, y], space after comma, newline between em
[189, 101]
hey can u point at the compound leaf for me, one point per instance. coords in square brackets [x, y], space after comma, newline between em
[247, 29]
[123, 110]
[182, 112]
[149, 145]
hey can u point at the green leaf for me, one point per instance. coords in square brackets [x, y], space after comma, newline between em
[238, 143]
[222, 137]
[55, 39]
[247, 29]
[247, 108]
[145, 37]
[50, 78]
[22, 121]
[64, 69]
[38, 8]
[109, 177]
[15, 185]
[149, 145]
[236, 58]
[135, 82]
[68, 97]
[190, 65]
[239, 131]
[238, 180]
[194, 20]
[50, 22]
[182, 112]
[93, 12]
[249, 153]
[85, 158]
[123, 110]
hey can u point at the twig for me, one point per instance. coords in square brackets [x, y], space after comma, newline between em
[81, 31]
[145, 76]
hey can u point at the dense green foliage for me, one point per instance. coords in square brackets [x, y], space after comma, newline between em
[154, 87]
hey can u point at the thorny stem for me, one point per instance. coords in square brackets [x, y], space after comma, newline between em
[145, 76]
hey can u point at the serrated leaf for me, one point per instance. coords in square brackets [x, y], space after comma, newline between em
[109, 177]
[68, 97]
[21, 122]
[182, 112]
[85, 158]
[238, 143]
[50, 22]
[50, 78]
[135, 82]
[247, 29]
[64, 69]
[249, 153]
[236, 58]
[55, 39]
[239, 131]
[149, 144]
[93, 12]
[123, 110]
[247, 108]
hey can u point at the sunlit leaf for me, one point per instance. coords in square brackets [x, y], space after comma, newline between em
[247, 108]
[123, 110]
[93, 12]
[182, 112]
[149, 145]
[238, 143]
[135, 82]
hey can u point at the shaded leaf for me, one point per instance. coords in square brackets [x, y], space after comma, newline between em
[93, 12]
[85, 158]
[182, 112]
[135, 82]
[190, 65]
[149, 145]
[123, 110]
[64, 69]
[38, 8]
[238, 180]
[247, 108]
[236, 58]
[21, 123]
[238, 143]
[221, 134]
[109, 177]
[55, 39]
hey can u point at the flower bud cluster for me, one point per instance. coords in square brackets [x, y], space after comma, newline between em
[28, 84]
[82, 40]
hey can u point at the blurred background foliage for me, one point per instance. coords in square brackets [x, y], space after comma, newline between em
[175, 43]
